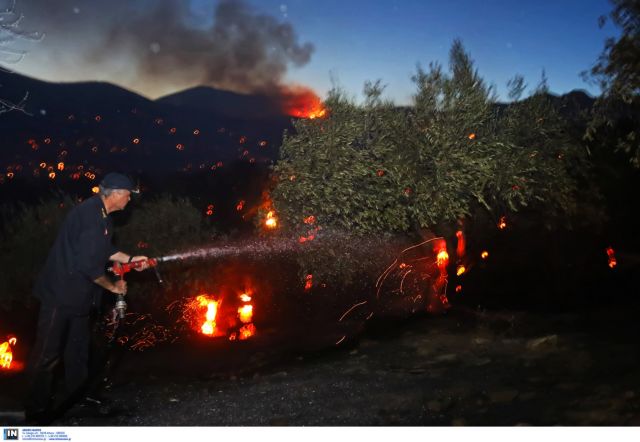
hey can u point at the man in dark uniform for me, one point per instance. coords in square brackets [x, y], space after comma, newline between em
[68, 286]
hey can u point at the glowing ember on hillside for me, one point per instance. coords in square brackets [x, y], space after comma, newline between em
[308, 282]
[612, 257]
[302, 102]
[6, 355]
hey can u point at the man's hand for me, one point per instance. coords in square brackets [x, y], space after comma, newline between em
[141, 258]
[120, 287]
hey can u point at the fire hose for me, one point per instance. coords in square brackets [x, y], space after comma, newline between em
[120, 269]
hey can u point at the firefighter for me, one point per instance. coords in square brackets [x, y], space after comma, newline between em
[68, 288]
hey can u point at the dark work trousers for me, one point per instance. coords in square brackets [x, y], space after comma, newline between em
[61, 335]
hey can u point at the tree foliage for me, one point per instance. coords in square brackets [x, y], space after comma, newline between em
[617, 72]
[376, 169]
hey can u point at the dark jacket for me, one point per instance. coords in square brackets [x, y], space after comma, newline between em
[78, 257]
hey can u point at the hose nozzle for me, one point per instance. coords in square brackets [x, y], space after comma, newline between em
[121, 306]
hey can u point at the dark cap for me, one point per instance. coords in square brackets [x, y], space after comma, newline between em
[115, 180]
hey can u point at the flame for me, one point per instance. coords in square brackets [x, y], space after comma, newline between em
[612, 257]
[308, 282]
[460, 270]
[460, 249]
[245, 313]
[247, 331]
[442, 258]
[302, 102]
[209, 326]
[245, 297]
[484, 254]
[271, 222]
[502, 224]
[6, 355]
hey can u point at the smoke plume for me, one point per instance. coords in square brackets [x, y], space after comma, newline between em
[146, 44]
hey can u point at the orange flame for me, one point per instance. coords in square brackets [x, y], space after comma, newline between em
[302, 102]
[502, 224]
[247, 331]
[245, 297]
[460, 249]
[6, 355]
[484, 254]
[308, 282]
[245, 313]
[271, 222]
[460, 270]
[612, 257]
[209, 326]
[442, 258]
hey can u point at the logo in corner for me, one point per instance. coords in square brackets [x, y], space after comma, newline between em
[10, 434]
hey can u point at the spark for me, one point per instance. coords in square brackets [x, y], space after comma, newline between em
[402, 281]
[350, 310]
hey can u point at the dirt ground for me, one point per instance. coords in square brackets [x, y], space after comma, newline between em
[462, 368]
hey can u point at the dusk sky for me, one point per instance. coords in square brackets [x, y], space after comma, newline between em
[159, 47]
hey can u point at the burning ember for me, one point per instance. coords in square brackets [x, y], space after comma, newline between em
[302, 102]
[484, 254]
[612, 257]
[212, 317]
[247, 331]
[460, 248]
[460, 270]
[271, 221]
[502, 224]
[442, 259]
[308, 282]
[245, 313]
[209, 326]
[6, 355]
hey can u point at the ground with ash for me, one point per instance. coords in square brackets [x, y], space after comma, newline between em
[462, 368]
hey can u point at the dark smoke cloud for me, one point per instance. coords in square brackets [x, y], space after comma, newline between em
[161, 42]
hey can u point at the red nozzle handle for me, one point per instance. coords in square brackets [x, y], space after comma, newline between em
[120, 269]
